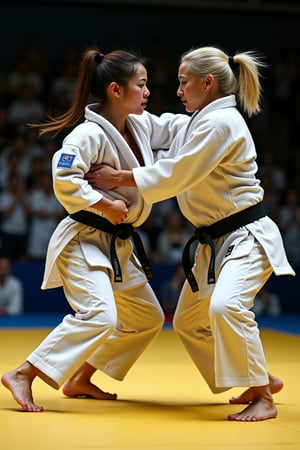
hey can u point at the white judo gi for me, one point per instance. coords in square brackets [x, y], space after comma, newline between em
[113, 322]
[211, 165]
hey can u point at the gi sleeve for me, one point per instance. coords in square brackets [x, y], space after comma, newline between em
[80, 150]
[193, 161]
[163, 129]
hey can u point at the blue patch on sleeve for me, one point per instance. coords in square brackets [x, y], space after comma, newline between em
[66, 161]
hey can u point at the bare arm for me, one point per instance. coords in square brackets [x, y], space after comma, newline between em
[105, 177]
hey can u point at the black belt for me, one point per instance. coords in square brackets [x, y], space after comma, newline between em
[122, 231]
[205, 235]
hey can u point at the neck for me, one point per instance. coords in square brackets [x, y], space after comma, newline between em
[117, 119]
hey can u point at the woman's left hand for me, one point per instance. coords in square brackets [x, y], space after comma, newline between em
[102, 176]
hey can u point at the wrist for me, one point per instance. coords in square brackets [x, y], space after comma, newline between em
[103, 205]
[125, 178]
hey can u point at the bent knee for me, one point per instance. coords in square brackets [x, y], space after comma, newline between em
[105, 319]
[111, 323]
[222, 310]
[160, 319]
[157, 319]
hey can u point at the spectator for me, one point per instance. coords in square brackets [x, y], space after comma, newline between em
[11, 289]
[50, 147]
[66, 82]
[12, 167]
[277, 175]
[267, 303]
[26, 108]
[173, 238]
[289, 223]
[271, 197]
[14, 224]
[33, 143]
[46, 212]
[150, 231]
[37, 168]
[170, 291]
[16, 149]
[22, 74]
[59, 101]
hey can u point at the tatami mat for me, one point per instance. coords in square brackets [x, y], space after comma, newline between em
[163, 404]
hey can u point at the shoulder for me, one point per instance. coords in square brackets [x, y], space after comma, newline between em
[86, 127]
[85, 132]
[220, 117]
[13, 281]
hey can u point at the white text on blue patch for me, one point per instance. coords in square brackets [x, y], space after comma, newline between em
[66, 161]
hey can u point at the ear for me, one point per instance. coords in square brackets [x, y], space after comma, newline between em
[114, 89]
[209, 81]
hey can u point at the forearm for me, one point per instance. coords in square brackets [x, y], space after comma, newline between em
[104, 205]
[104, 177]
[124, 178]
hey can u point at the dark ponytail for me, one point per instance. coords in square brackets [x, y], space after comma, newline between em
[96, 72]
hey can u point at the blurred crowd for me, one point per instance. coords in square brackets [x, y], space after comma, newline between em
[37, 85]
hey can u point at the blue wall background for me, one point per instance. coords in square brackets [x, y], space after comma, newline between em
[53, 300]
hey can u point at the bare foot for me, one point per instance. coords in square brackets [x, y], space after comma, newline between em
[246, 397]
[80, 388]
[262, 407]
[19, 383]
[256, 411]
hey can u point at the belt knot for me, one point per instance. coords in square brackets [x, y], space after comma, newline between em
[202, 236]
[124, 231]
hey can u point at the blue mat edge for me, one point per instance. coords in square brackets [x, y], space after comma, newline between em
[287, 323]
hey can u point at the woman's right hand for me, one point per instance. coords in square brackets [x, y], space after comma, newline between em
[115, 211]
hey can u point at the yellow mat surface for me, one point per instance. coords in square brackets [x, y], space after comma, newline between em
[163, 404]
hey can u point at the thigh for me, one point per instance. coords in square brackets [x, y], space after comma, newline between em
[138, 307]
[191, 311]
[87, 289]
[240, 279]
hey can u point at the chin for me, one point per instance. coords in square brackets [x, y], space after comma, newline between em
[190, 110]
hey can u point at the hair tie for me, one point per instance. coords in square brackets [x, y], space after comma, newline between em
[98, 58]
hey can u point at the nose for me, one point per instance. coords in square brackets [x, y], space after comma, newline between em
[179, 92]
[146, 92]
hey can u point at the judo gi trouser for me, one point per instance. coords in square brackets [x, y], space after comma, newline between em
[132, 320]
[219, 331]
